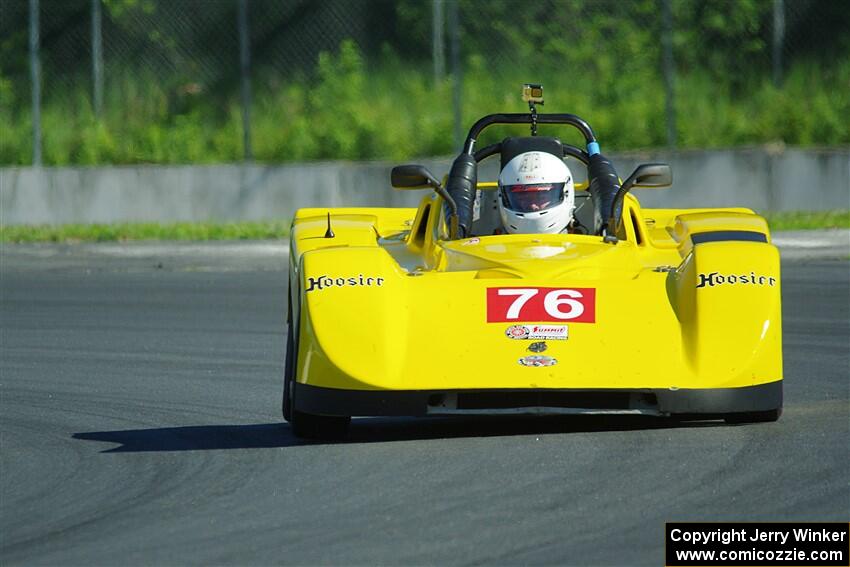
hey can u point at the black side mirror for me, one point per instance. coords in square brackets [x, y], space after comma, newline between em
[646, 175]
[418, 177]
[650, 175]
[412, 177]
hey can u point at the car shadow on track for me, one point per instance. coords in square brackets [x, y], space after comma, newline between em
[369, 430]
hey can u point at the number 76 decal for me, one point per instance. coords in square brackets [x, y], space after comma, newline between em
[532, 304]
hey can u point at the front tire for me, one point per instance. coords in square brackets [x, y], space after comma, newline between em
[305, 425]
[325, 427]
[289, 365]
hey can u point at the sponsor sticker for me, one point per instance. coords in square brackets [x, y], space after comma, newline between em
[537, 332]
[534, 304]
[517, 332]
[715, 278]
[538, 360]
[473, 240]
[323, 282]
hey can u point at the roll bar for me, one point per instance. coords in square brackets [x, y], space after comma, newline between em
[525, 118]
[603, 182]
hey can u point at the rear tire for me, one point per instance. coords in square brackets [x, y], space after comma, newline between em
[326, 427]
[753, 416]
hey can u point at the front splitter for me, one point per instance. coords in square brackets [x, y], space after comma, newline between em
[649, 401]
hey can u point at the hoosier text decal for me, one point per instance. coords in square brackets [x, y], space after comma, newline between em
[323, 282]
[715, 278]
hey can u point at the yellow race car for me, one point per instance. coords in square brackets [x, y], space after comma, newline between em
[436, 311]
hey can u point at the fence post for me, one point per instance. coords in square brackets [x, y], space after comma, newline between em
[457, 76]
[97, 57]
[245, 72]
[669, 72]
[778, 39]
[35, 78]
[437, 42]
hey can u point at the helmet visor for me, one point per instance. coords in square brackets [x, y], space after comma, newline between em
[534, 197]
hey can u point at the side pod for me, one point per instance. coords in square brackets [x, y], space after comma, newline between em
[727, 297]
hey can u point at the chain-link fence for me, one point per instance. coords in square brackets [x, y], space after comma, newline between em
[127, 81]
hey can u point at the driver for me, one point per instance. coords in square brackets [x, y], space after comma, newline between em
[536, 194]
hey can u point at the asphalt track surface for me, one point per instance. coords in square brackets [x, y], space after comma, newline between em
[139, 424]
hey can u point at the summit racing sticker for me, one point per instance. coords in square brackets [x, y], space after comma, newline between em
[323, 282]
[537, 332]
[534, 304]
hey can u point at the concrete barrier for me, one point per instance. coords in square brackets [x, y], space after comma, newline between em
[782, 179]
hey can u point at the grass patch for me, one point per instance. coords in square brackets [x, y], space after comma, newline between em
[270, 230]
[356, 110]
[122, 232]
[804, 220]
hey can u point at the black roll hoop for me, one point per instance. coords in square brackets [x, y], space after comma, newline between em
[603, 182]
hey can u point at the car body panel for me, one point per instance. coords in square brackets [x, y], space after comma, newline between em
[685, 300]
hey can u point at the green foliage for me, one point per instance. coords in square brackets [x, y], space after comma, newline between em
[265, 230]
[803, 220]
[389, 109]
[70, 233]
[727, 40]
[118, 8]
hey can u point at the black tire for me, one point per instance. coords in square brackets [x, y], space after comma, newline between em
[305, 425]
[753, 416]
[325, 427]
[289, 365]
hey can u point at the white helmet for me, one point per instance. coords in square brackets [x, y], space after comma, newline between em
[536, 194]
